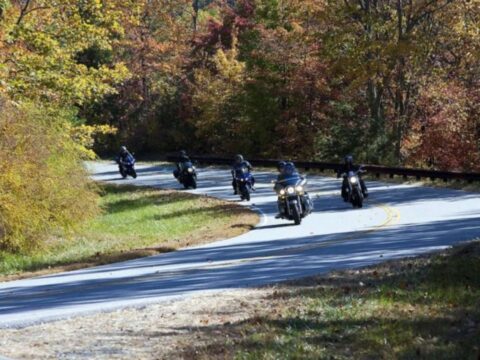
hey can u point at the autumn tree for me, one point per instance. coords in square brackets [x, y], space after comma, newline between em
[44, 77]
[154, 50]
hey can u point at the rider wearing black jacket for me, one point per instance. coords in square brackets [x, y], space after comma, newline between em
[239, 163]
[124, 155]
[287, 170]
[183, 159]
[344, 169]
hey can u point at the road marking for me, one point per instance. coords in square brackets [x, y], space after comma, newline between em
[264, 217]
[393, 216]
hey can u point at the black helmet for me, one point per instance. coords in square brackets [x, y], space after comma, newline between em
[123, 149]
[183, 153]
[238, 158]
[289, 168]
[348, 160]
[281, 165]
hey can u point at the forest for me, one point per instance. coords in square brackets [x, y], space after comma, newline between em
[393, 82]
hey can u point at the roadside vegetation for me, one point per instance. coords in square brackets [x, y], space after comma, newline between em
[390, 82]
[425, 307]
[135, 222]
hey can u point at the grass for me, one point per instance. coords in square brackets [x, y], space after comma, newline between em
[425, 308]
[136, 222]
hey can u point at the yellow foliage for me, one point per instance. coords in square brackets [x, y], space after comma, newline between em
[84, 137]
[44, 188]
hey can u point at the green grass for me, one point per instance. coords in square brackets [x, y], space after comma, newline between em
[136, 222]
[426, 308]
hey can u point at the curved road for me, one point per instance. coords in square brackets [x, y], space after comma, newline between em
[397, 221]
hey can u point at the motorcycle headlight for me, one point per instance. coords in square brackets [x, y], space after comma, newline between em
[353, 180]
[282, 192]
[299, 188]
[290, 190]
[190, 170]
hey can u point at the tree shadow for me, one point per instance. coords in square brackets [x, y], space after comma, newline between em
[299, 315]
[156, 198]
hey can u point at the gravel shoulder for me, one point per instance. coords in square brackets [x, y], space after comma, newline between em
[212, 325]
[159, 331]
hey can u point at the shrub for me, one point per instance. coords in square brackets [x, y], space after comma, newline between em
[44, 188]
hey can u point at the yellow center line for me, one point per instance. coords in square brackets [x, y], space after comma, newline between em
[393, 216]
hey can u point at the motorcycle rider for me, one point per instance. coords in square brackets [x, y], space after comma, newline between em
[239, 163]
[124, 155]
[280, 176]
[286, 171]
[183, 159]
[344, 169]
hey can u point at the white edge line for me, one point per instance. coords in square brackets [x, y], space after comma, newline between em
[264, 216]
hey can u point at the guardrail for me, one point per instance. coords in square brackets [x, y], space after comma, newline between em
[377, 170]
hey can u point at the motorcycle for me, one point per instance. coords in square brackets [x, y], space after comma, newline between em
[353, 191]
[293, 201]
[127, 167]
[187, 176]
[243, 182]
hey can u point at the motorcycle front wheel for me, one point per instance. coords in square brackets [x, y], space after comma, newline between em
[357, 200]
[296, 215]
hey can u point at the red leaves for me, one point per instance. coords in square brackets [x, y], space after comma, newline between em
[443, 134]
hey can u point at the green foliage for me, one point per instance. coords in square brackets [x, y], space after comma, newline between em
[43, 187]
[54, 57]
[44, 43]
[135, 222]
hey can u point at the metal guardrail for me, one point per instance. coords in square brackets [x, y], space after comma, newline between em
[377, 170]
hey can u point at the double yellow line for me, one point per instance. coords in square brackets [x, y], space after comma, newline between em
[393, 216]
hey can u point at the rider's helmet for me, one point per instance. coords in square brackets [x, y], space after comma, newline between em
[348, 160]
[238, 158]
[281, 166]
[183, 156]
[289, 168]
[123, 149]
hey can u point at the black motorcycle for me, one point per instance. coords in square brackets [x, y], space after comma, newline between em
[244, 182]
[127, 166]
[352, 188]
[294, 203]
[187, 176]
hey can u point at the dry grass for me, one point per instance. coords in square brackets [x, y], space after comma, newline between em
[426, 308]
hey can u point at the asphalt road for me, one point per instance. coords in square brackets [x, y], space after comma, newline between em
[397, 221]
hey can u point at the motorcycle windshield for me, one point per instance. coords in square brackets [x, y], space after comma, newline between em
[129, 159]
[187, 164]
[291, 180]
[241, 172]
